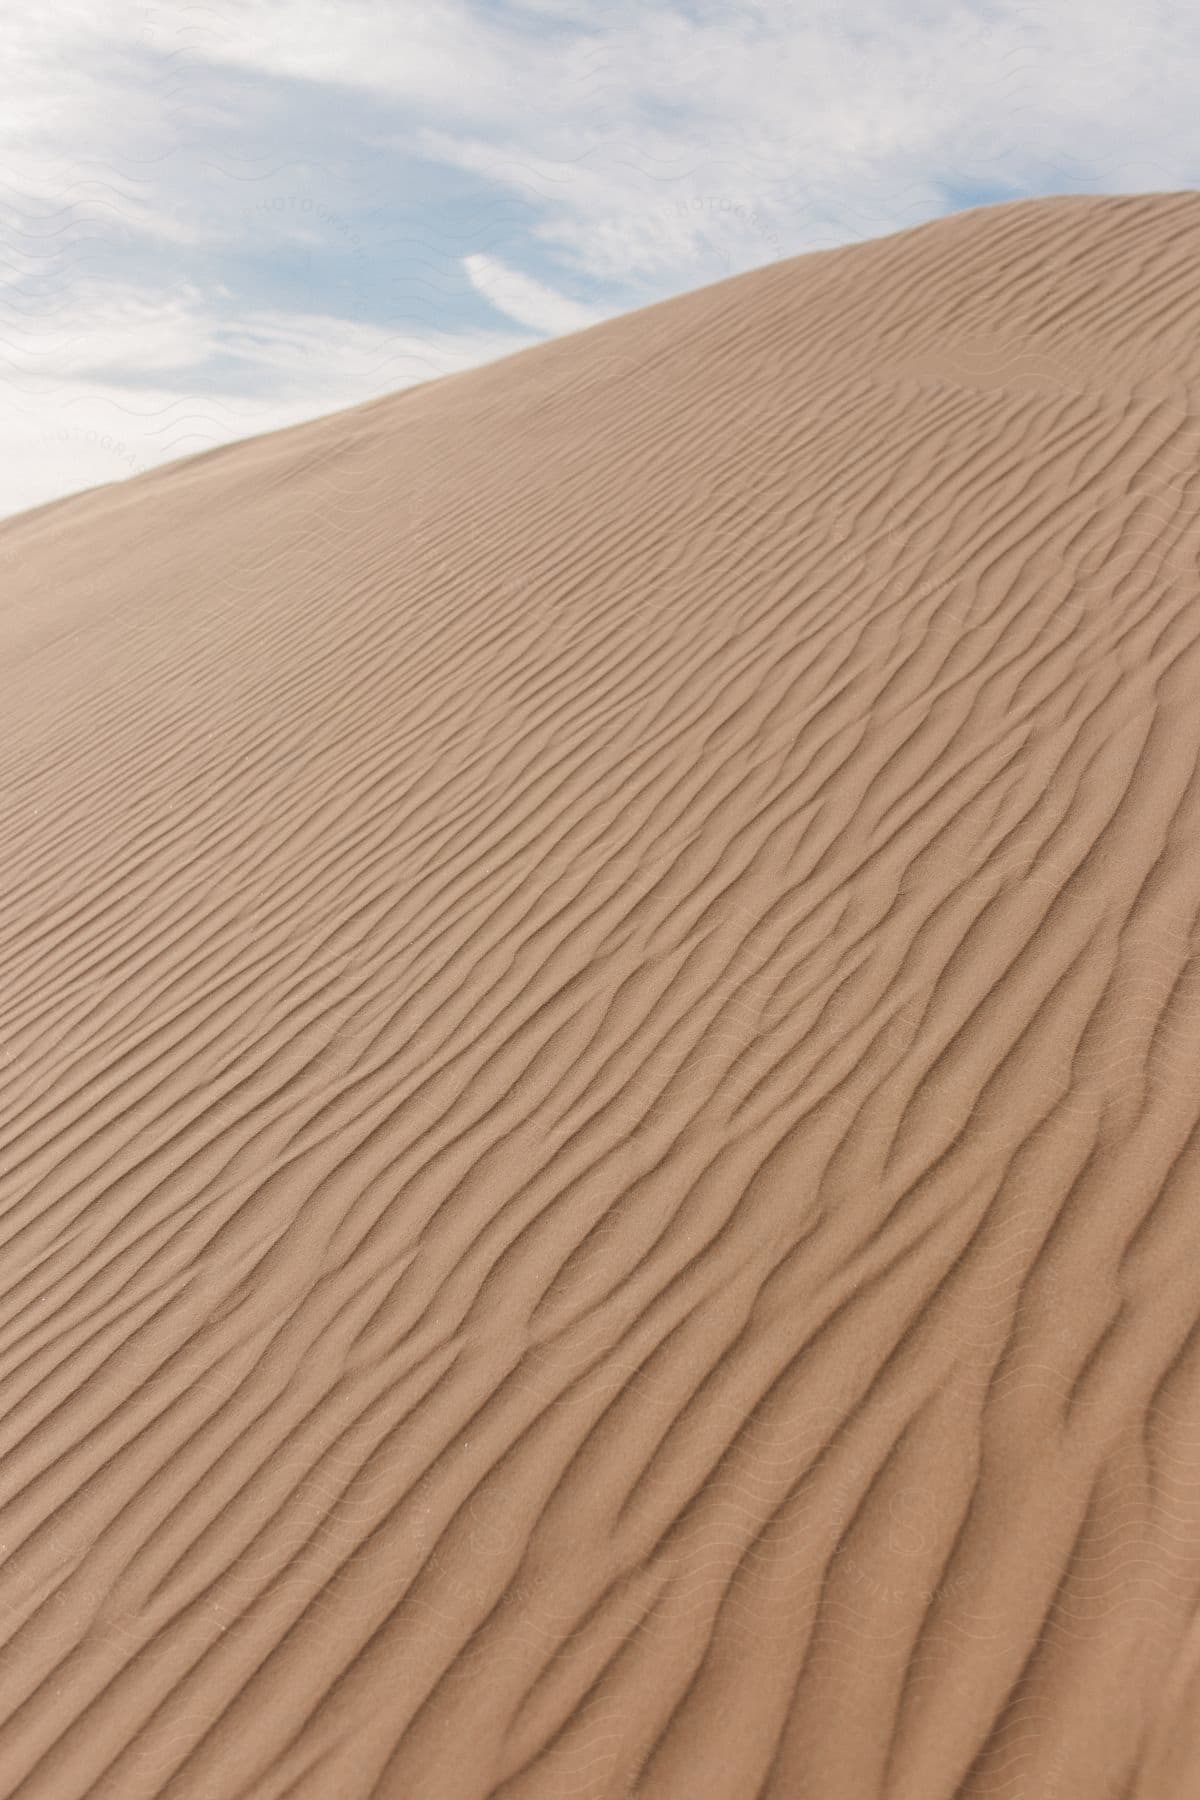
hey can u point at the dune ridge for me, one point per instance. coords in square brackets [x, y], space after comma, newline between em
[599, 1017]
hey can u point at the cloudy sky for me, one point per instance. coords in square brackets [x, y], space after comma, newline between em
[219, 216]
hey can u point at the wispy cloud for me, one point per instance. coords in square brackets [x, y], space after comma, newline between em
[237, 215]
[526, 300]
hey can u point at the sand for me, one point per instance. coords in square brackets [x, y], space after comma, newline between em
[600, 1062]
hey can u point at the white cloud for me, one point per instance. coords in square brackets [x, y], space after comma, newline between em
[527, 301]
[69, 424]
[827, 126]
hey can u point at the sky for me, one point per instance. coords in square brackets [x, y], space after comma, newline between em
[222, 216]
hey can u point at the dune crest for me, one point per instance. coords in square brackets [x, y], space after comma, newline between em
[600, 1015]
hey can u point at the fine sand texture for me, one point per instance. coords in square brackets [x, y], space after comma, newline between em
[600, 1062]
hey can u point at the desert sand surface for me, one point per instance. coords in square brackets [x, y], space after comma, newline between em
[600, 1062]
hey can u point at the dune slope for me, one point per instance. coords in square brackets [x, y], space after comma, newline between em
[599, 1051]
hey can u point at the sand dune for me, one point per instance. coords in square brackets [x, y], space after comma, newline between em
[599, 1049]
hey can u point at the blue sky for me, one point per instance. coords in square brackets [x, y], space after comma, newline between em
[218, 218]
